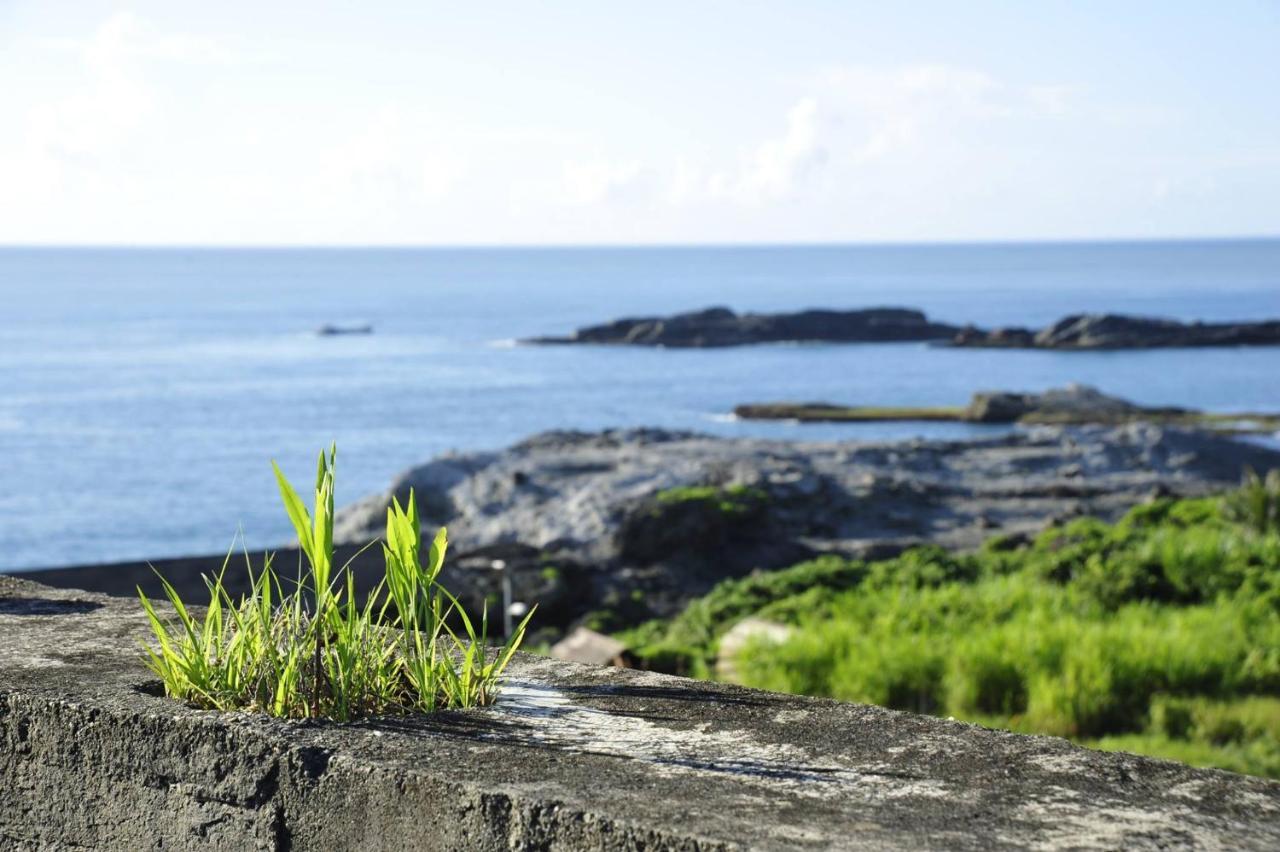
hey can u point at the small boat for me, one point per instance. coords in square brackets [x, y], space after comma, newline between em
[331, 330]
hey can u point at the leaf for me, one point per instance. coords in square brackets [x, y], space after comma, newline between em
[296, 510]
[435, 558]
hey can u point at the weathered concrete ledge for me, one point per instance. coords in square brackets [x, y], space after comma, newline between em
[573, 757]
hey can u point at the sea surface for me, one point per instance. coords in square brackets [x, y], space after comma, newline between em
[143, 393]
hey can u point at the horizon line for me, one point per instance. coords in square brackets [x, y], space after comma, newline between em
[639, 246]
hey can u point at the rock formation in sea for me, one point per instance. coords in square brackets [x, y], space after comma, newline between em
[1117, 331]
[722, 327]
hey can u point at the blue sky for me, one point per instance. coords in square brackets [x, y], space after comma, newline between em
[688, 122]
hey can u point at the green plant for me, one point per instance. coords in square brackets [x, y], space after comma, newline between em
[1159, 633]
[1256, 502]
[313, 651]
[730, 500]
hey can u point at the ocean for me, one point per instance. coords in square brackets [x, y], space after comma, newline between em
[143, 392]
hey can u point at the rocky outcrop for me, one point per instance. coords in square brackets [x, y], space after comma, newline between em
[1117, 331]
[655, 517]
[1072, 404]
[571, 757]
[1076, 405]
[722, 327]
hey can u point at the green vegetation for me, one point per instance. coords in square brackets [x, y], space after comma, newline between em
[1158, 634]
[730, 500]
[312, 651]
[1257, 503]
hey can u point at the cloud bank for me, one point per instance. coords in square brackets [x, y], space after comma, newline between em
[149, 136]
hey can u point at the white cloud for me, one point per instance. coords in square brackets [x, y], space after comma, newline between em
[598, 180]
[778, 164]
[889, 110]
[772, 170]
[855, 117]
[115, 96]
[125, 36]
[119, 145]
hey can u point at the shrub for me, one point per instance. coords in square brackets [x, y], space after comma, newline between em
[802, 665]
[905, 674]
[312, 651]
[984, 677]
[1257, 501]
[1172, 717]
[1160, 632]
[698, 628]
[924, 566]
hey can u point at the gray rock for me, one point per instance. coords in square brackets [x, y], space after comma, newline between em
[1118, 331]
[588, 646]
[1007, 337]
[722, 327]
[593, 496]
[1074, 403]
[571, 757]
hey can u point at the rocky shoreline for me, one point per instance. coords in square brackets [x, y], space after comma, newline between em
[720, 326]
[634, 523]
[624, 525]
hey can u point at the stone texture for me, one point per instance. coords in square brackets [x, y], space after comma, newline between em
[572, 757]
[591, 497]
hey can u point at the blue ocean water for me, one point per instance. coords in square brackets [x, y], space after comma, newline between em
[143, 392]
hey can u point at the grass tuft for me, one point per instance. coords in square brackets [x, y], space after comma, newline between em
[298, 648]
[1256, 502]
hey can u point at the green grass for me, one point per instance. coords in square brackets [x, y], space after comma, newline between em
[1242, 735]
[730, 500]
[1158, 634]
[304, 648]
[1257, 503]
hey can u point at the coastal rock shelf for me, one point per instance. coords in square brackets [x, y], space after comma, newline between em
[1072, 405]
[637, 522]
[659, 517]
[572, 757]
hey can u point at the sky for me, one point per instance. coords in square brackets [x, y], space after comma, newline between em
[423, 123]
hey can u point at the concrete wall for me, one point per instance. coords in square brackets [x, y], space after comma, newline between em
[572, 757]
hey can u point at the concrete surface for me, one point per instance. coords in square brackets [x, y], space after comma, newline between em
[572, 757]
